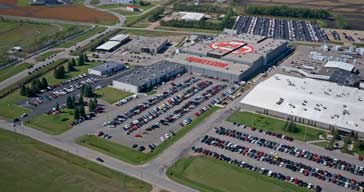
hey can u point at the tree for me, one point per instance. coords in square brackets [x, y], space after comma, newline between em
[76, 113]
[91, 105]
[57, 107]
[70, 103]
[85, 58]
[82, 111]
[24, 91]
[59, 73]
[81, 59]
[80, 101]
[44, 83]
[70, 66]
[345, 147]
[95, 100]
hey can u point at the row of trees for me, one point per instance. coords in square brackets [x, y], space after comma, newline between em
[86, 91]
[156, 14]
[199, 8]
[79, 106]
[60, 72]
[286, 11]
[34, 88]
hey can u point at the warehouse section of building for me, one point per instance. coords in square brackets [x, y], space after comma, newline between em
[317, 103]
[106, 69]
[151, 45]
[243, 56]
[144, 78]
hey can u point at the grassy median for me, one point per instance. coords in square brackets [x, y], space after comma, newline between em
[275, 125]
[28, 165]
[210, 175]
[111, 95]
[132, 156]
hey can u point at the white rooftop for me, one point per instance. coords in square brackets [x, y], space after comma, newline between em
[191, 16]
[340, 65]
[108, 45]
[321, 101]
[119, 37]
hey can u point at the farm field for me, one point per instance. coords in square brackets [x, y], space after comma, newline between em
[209, 175]
[12, 34]
[28, 165]
[77, 13]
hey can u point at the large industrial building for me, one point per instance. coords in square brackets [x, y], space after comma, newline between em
[304, 100]
[144, 78]
[151, 45]
[240, 57]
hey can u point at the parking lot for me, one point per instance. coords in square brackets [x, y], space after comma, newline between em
[293, 30]
[143, 122]
[282, 157]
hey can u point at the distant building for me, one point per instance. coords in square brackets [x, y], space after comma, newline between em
[46, 2]
[113, 43]
[132, 8]
[106, 69]
[191, 16]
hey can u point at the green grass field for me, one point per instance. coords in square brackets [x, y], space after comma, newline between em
[45, 55]
[321, 144]
[132, 156]
[51, 124]
[12, 70]
[274, 125]
[150, 33]
[210, 175]
[111, 95]
[22, 2]
[28, 165]
[8, 107]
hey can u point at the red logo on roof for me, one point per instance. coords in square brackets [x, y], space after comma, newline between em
[229, 46]
[206, 62]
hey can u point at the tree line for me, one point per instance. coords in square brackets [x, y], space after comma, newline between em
[285, 11]
[34, 88]
[156, 14]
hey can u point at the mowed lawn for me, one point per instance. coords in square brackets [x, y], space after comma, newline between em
[28, 165]
[8, 107]
[132, 156]
[51, 124]
[11, 70]
[210, 175]
[274, 125]
[111, 95]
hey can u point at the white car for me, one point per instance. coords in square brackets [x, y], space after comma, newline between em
[162, 138]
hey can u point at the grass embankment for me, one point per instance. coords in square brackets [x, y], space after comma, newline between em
[28, 165]
[82, 37]
[210, 175]
[132, 156]
[8, 107]
[9, 71]
[111, 95]
[274, 125]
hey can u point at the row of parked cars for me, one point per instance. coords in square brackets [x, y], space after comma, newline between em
[164, 107]
[126, 100]
[273, 159]
[293, 30]
[257, 169]
[138, 109]
[294, 151]
[278, 135]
